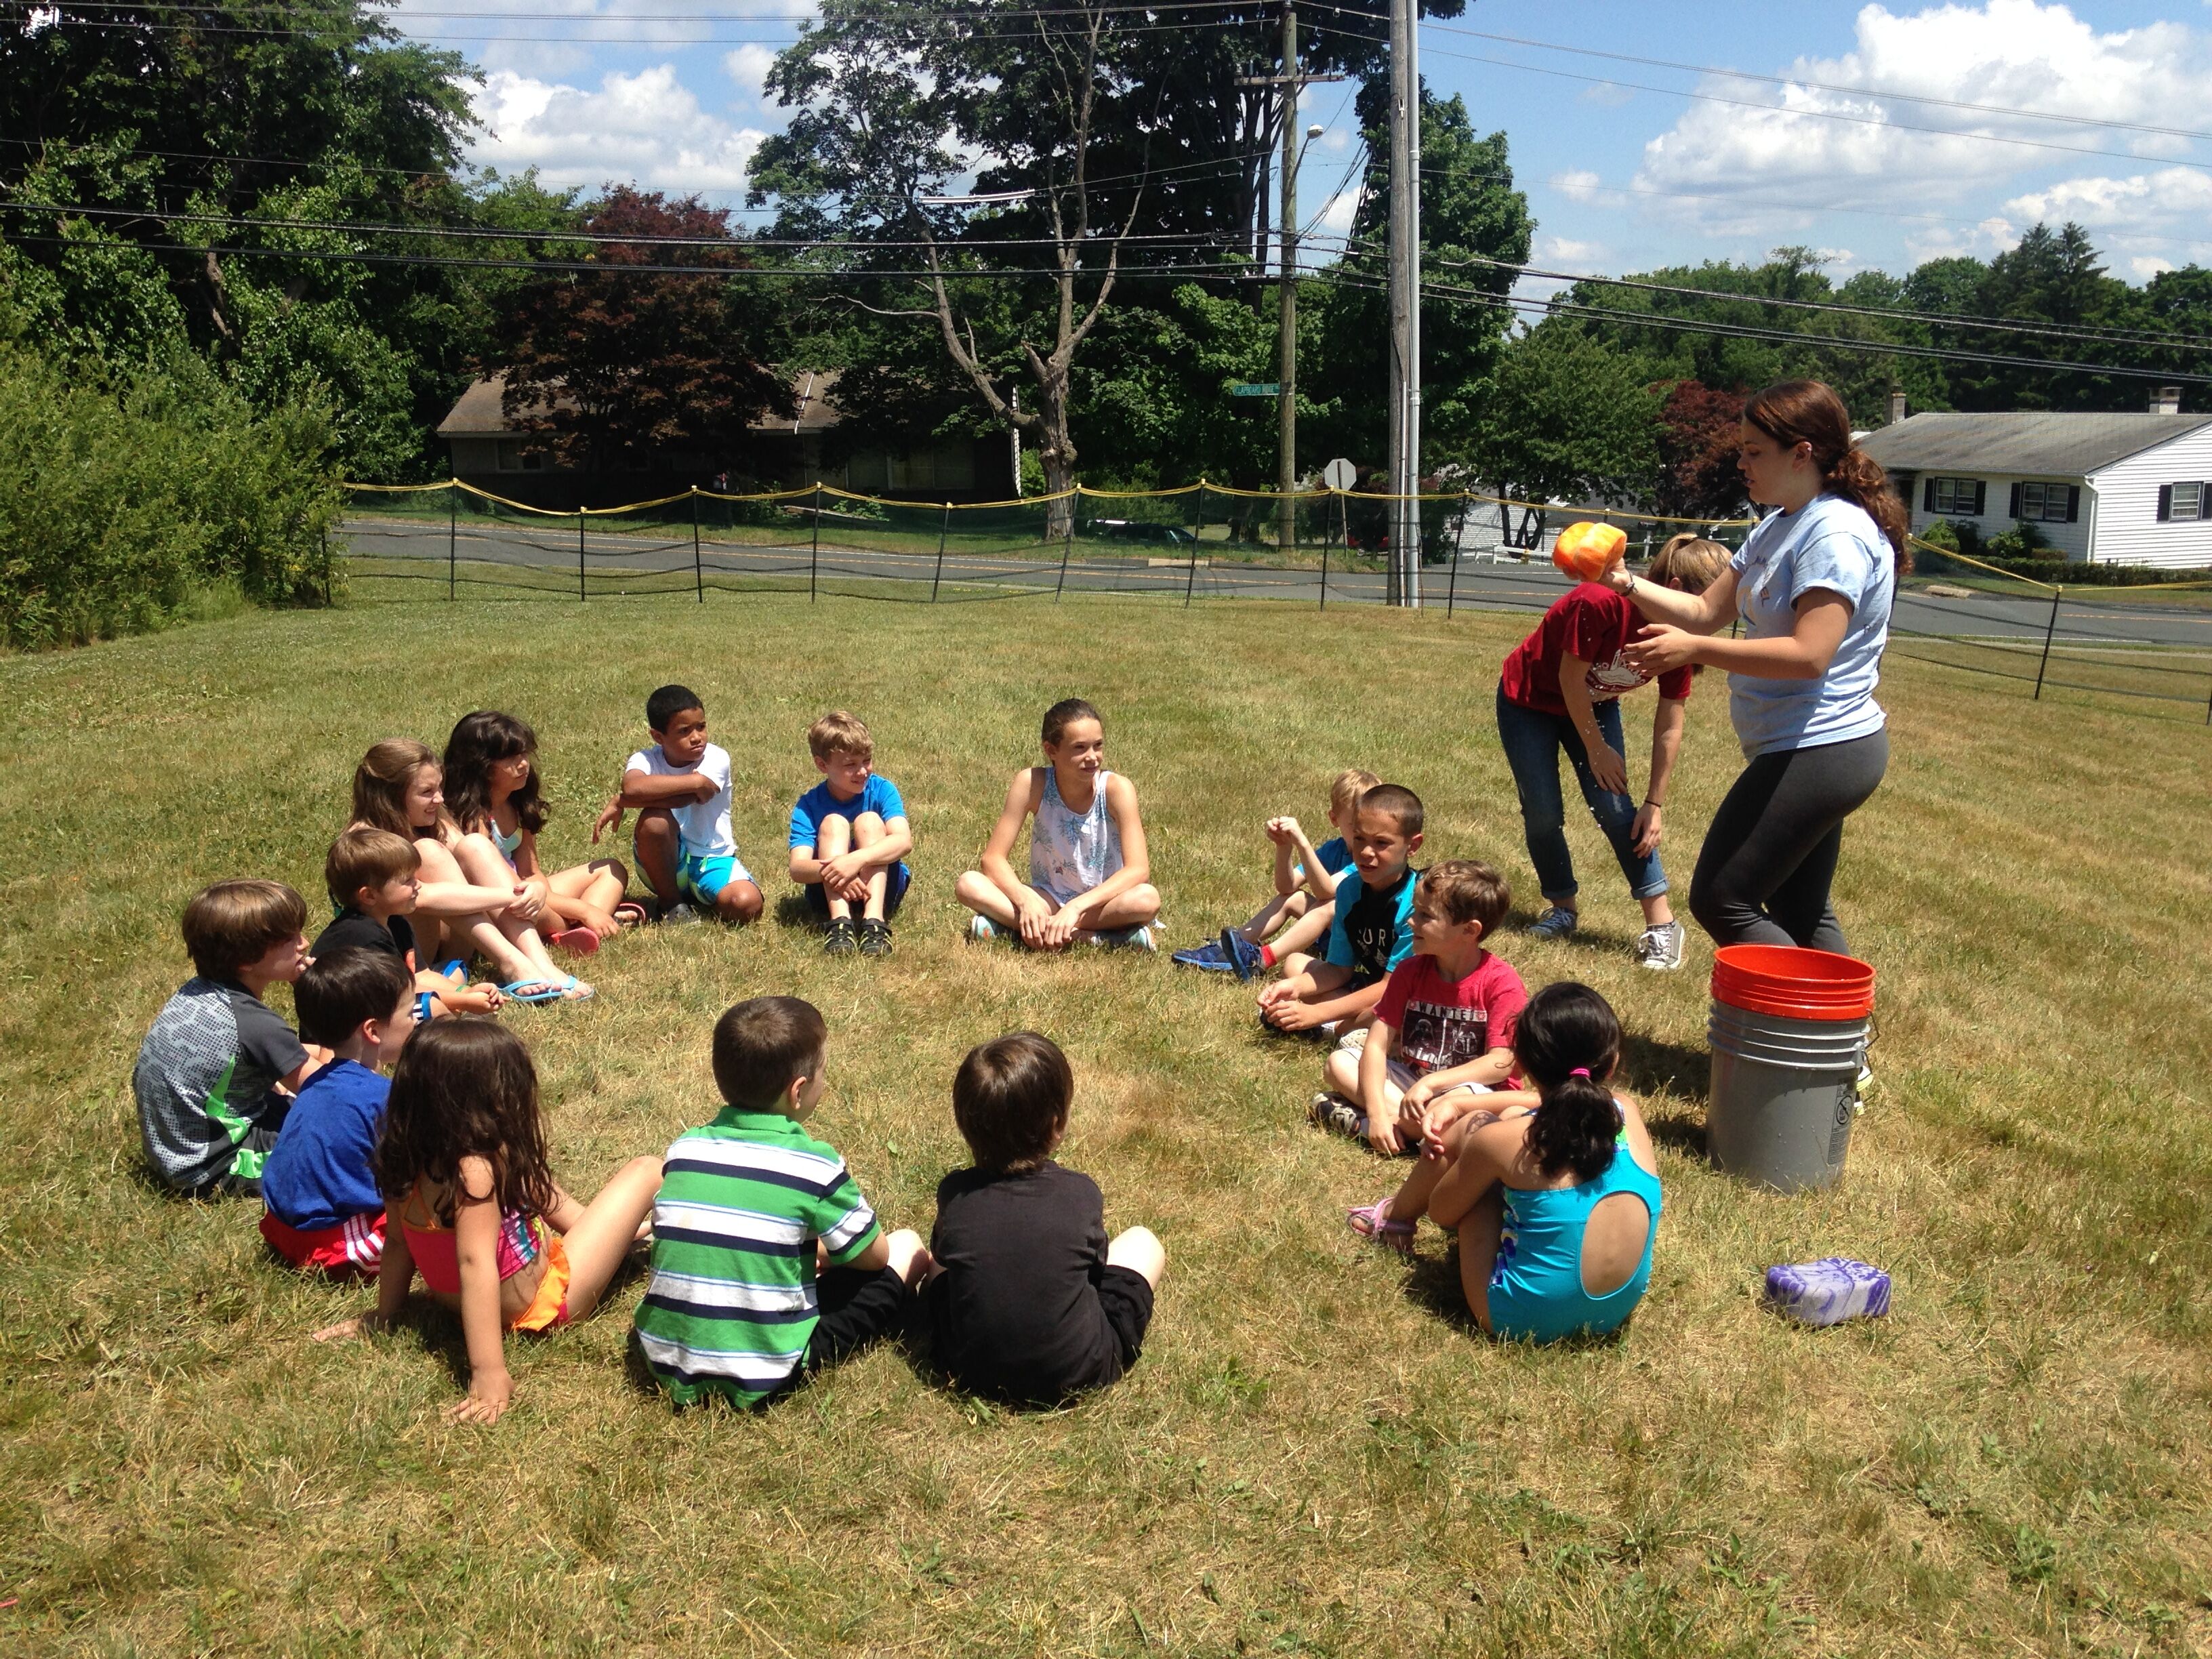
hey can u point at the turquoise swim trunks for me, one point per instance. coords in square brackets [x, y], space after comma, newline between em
[703, 878]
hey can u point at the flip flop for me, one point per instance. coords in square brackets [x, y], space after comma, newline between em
[579, 941]
[575, 990]
[548, 990]
[1372, 1222]
[631, 914]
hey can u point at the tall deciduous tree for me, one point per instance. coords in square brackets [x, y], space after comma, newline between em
[1571, 418]
[631, 367]
[1699, 428]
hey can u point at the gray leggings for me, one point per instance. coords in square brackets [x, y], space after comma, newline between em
[1763, 873]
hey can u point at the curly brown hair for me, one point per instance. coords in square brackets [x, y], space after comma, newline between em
[464, 1087]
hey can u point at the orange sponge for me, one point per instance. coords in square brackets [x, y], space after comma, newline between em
[1586, 551]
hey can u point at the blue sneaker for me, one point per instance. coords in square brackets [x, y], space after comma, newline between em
[1207, 956]
[1243, 956]
[1554, 923]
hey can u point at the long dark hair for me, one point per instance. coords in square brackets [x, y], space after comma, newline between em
[463, 1088]
[1793, 412]
[1567, 1042]
[478, 739]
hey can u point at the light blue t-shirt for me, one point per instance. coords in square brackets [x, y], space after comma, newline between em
[879, 795]
[1832, 544]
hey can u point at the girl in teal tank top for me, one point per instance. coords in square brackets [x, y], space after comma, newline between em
[1557, 1209]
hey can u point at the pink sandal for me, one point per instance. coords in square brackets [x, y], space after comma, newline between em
[578, 941]
[1372, 1222]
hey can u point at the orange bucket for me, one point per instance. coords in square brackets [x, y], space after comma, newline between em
[1792, 983]
[1586, 550]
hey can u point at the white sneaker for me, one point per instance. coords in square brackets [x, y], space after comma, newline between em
[1660, 947]
[680, 914]
[982, 929]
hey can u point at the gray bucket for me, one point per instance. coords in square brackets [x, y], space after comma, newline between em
[1783, 1094]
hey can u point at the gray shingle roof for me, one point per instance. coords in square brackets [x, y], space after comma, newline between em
[480, 411]
[2065, 446]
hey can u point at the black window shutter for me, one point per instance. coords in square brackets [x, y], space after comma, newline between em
[2073, 503]
[2012, 511]
[1981, 496]
[1928, 496]
[2165, 503]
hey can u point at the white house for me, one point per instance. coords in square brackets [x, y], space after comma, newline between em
[2109, 489]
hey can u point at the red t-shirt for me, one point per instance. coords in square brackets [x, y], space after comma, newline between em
[1592, 622]
[1442, 1024]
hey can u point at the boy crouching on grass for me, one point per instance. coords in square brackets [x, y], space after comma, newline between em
[1445, 1022]
[749, 1203]
[849, 840]
[1370, 931]
[681, 789]
[1030, 1304]
[217, 1071]
[325, 1210]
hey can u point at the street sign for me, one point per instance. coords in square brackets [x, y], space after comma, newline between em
[1337, 474]
[1256, 389]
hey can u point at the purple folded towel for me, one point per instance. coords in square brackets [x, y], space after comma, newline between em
[1829, 1290]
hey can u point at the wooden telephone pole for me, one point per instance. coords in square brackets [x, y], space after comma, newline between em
[1405, 580]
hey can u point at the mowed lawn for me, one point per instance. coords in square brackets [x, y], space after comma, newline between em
[1317, 1453]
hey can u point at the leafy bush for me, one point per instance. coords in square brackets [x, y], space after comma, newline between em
[2023, 541]
[120, 503]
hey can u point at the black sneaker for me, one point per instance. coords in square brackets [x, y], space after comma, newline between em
[840, 940]
[875, 937]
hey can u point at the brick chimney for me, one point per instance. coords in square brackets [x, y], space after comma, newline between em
[1896, 407]
[2167, 400]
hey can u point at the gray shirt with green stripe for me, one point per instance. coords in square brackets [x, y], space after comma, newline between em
[732, 1303]
[206, 1077]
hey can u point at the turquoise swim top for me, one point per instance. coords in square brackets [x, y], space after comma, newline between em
[1536, 1287]
[508, 845]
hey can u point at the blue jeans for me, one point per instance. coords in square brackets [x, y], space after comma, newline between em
[1532, 740]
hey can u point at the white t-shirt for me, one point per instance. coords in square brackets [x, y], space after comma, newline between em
[704, 825]
[1831, 544]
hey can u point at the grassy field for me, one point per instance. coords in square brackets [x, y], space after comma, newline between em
[1316, 1454]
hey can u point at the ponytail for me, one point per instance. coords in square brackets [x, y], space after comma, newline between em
[1793, 412]
[1567, 1043]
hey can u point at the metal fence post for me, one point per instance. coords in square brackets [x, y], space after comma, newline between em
[814, 562]
[453, 537]
[698, 570]
[582, 594]
[1198, 530]
[1324, 559]
[944, 525]
[1067, 546]
[2049, 628]
[326, 565]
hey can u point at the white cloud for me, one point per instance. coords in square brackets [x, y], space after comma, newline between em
[1607, 94]
[749, 66]
[2012, 54]
[1579, 185]
[646, 129]
[2170, 197]
[1567, 251]
[2147, 267]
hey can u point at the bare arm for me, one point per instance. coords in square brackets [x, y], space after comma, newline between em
[1022, 798]
[642, 791]
[1485, 1155]
[1803, 654]
[1695, 613]
[1667, 725]
[1607, 763]
[475, 1241]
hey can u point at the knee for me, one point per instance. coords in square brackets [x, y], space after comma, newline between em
[868, 829]
[740, 903]
[1143, 898]
[971, 887]
[1141, 1252]
[656, 827]
[1341, 1068]
[613, 867]
[644, 1168]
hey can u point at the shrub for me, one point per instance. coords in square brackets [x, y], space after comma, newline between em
[118, 503]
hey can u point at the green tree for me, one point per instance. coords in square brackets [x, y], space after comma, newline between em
[1572, 418]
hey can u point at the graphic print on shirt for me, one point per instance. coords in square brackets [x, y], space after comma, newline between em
[1610, 679]
[1435, 1038]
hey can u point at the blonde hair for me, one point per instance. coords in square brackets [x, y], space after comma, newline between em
[1689, 562]
[839, 733]
[1344, 794]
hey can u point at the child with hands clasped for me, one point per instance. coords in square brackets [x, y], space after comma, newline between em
[461, 1163]
[1370, 931]
[1444, 1025]
[1090, 875]
[374, 880]
[1555, 1194]
[1305, 886]
[850, 839]
[681, 790]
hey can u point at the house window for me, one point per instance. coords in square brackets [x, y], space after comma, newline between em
[2186, 501]
[514, 458]
[2046, 503]
[1961, 498]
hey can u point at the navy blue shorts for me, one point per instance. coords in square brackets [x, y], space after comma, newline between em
[895, 886]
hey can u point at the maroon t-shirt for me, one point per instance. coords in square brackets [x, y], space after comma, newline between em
[1442, 1023]
[1594, 623]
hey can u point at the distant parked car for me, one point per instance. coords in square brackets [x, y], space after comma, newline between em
[1136, 529]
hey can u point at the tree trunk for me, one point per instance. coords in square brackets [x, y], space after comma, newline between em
[1056, 453]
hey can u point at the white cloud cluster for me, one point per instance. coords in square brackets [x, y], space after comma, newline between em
[647, 129]
[2017, 54]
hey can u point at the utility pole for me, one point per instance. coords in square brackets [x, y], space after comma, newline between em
[1286, 342]
[1405, 585]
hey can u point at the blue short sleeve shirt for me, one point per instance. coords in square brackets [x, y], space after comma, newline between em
[879, 795]
[1829, 545]
[1373, 929]
[318, 1174]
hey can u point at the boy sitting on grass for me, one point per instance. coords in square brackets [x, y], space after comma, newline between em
[681, 790]
[217, 1071]
[1305, 886]
[371, 877]
[850, 839]
[749, 1204]
[1445, 1022]
[1370, 931]
[324, 1211]
[1030, 1304]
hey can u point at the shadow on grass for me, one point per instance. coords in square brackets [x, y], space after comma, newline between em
[792, 910]
[1433, 1286]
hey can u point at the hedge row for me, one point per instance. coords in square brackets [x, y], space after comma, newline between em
[117, 503]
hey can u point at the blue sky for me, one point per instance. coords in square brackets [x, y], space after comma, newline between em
[1624, 171]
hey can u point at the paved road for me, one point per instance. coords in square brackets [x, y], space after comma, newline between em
[1530, 588]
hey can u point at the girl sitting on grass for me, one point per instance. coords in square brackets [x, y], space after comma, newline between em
[474, 1209]
[492, 791]
[1090, 877]
[1556, 1207]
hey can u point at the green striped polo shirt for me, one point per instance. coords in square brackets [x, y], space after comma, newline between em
[731, 1302]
